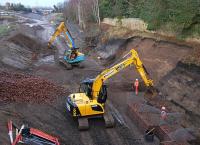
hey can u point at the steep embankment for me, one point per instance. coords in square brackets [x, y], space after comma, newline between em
[173, 65]
[182, 87]
[159, 56]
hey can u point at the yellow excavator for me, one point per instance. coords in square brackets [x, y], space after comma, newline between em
[90, 101]
[72, 57]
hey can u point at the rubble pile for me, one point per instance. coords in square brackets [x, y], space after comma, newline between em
[16, 87]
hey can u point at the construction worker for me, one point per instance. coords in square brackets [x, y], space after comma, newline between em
[163, 114]
[136, 85]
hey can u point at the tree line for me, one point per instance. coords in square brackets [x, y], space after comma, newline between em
[17, 7]
[179, 16]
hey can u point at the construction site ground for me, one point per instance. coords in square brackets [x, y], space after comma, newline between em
[34, 87]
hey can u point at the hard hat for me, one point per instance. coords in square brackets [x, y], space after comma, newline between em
[163, 108]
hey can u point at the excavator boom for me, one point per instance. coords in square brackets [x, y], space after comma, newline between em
[62, 29]
[133, 59]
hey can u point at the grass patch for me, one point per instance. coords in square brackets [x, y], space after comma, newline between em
[5, 29]
[57, 17]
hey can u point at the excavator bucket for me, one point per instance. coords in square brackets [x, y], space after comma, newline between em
[151, 92]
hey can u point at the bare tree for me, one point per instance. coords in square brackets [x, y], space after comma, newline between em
[80, 15]
[95, 9]
[83, 11]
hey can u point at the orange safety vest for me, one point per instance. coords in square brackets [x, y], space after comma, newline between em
[136, 84]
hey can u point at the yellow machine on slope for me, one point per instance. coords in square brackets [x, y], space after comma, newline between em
[72, 57]
[91, 101]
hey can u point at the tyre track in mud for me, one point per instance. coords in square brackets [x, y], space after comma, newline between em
[67, 127]
[86, 138]
[98, 133]
[127, 137]
[114, 136]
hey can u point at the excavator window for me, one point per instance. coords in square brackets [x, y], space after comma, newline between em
[87, 89]
[73, 55]
[67, 53]
[102, 94]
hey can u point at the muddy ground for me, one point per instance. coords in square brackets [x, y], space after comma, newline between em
[27, 53]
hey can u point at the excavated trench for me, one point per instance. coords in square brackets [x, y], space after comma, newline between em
[177, 81]
[181, 86]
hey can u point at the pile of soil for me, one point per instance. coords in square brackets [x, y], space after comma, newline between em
[27, 42]
[21, 51]
[32, 44]
[16, 87]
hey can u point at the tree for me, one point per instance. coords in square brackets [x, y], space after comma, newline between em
[83, 11]
[170, 15]
[95, 9]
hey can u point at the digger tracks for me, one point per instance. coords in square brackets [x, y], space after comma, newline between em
[70, 66]
[108, 118]
[83, 123]
[65, 64]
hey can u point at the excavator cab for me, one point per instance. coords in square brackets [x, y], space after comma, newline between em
[67, 53]
[71, 54]
[86, 87]
[83, 106]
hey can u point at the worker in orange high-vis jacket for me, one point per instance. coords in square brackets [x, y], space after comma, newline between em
[163, 114]
[136, 86]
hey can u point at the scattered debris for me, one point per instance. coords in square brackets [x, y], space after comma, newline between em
[26, 135]
[16, 87]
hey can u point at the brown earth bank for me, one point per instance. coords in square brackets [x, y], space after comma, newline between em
[158, 56]
[181, 86]
[174, 67]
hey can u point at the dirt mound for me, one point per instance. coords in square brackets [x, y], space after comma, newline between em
[34, 45]
[25, 41]
[21, 51]
[16, 87]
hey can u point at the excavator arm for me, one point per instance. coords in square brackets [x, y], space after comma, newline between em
[133, 59]
[62, 29]
[90, 101]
